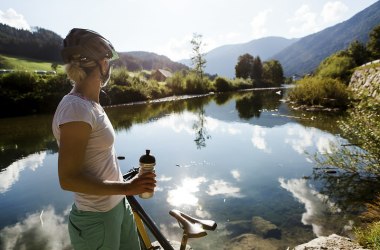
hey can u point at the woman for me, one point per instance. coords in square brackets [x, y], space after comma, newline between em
[100, 217]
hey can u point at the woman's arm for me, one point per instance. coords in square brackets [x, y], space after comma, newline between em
[74, 137]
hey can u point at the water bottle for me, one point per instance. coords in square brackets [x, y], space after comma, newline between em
[147, 163]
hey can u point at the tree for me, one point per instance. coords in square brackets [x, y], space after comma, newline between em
[243, 68]
[358, 52]
[373, 44]
[198, 58]
[273, 72]
[257, 69]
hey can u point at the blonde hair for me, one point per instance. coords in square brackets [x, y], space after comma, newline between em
[77, 70]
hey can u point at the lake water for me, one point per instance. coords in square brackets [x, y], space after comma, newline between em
[236, 158]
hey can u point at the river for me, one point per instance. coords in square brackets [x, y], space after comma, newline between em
[235, 158]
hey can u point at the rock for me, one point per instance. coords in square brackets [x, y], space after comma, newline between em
[332, 242]
[249, 241]
[265, 228]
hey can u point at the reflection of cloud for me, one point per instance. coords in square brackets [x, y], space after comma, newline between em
[185, 194]
[236, 174]
[164, 178]
[224, 188]
[12, 173]
[258, 139]
[31, 234]
[300, 138]
[184, 123]
[317, 205]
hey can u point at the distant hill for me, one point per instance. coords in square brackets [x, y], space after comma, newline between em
[40, 44]
[307, 53]
[138, 60]
[45, 45]
[222, 60]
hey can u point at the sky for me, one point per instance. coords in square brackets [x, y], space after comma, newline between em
[166, 27]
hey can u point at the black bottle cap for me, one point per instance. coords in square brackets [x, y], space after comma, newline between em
[147, 158]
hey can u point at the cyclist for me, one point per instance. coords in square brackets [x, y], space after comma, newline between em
[100, 217]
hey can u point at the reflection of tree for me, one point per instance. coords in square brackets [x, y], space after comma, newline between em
[357, 163]
[249, 107]
[201, 133]
[252, 104]
[348, 191]
[23, 136]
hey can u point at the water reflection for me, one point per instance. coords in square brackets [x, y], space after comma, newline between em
[318, 206]
[248, 141]
[185, 194]
[221, 187]
[301, 138]
[11, 174]
[41, 230]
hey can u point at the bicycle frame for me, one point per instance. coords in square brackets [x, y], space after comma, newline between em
[137, 208]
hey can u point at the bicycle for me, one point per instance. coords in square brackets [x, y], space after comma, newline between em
[192, 227]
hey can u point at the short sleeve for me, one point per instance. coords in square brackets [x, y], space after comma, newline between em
[76, 112]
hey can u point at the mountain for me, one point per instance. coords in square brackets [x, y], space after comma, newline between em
[306, 54]
[41, 44]
[222, 60]
[45, 45]
[138, 60]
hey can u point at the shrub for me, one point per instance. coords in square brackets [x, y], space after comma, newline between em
[222, 84]
[120, 76]
[369, 236]
[196, 85]
[320, 91]
[337, 66]
[176, 83]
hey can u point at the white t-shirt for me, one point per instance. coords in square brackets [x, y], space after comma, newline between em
[100, 159]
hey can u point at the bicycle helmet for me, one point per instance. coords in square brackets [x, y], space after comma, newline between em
[86, 45]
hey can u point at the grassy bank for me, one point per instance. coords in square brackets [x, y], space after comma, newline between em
[26, 64]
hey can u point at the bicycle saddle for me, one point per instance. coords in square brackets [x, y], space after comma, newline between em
[194, 228]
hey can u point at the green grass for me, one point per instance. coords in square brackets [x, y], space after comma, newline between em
[19, 63]
[369, 236]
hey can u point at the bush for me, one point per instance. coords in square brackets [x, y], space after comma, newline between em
[337, 66]
[222, 84]
[196, 85]
[320, 91]
[120, 76]
[369, 236]
[176, 83]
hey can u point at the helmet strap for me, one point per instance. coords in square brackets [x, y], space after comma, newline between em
[104, 77]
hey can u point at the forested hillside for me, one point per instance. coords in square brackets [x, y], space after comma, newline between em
[45, 45]
[139, 60]
[40, 44]
[306, 54]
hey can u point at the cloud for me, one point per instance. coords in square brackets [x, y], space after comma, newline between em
[304, 21]
[12, 18]
[258, 24]
[176, 48]
[221, 187]
[301, 138]
[12, 173]
[186, 193]
[258, 139]
[31, 233]
[236, 174]
[317, 206]
[333, 11]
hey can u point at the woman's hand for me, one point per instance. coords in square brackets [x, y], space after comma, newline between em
[145, 182]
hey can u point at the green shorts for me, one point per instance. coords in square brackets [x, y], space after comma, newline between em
[111, 230]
